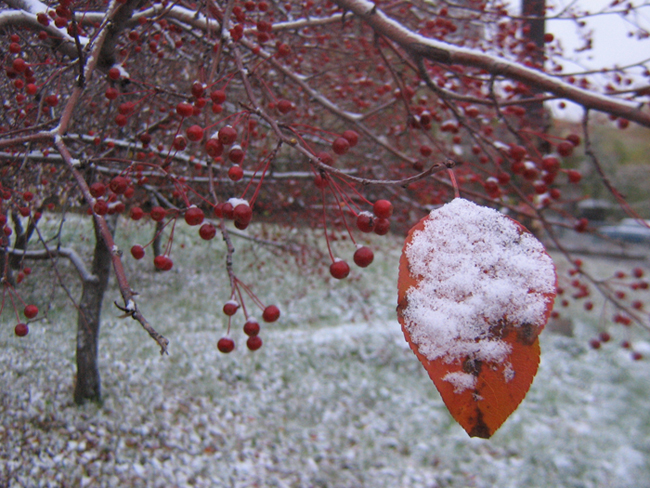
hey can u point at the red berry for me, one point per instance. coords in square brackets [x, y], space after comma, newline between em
[604, 337]
[145, 138]
[352, 137]
[517, 153]
[28, 196]
[52, 100]
[283, 50]
[243, 214]
[594, 344]
[383, 209]
[365, 222]
[225, 345]
[550, 164]
[100, 207]
[363, 256]
[271, 313]
[207, 231]
[136, 213]
[184, 109]
[382, 226]
[197, 89]
[194, 216]
[637, 356]
[218, 96]
[194, 133]
[581, 225]
[548, 37]
[251, 327]
[31, 89]
[121, 120]
[163, 263]
[227, 210]
[19, 65]
[97, 189]
[137, 251]
[227, 135]
[126, 108]
[236, 154]
[235, 173]
[637, 272]
[285, 106]
[214, 148]
[340, 145]
[230, 307]
[118, 185]
[31, 311]
[43, 19]
[254, 343]
[158, 213]
[339, 269]
[573, 139]
[114, 73]
[574, 176]
[179, 143]
[21, 330]
[565, 148]
[320, 182]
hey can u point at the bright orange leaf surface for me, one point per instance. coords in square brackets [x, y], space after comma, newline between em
[475, 290]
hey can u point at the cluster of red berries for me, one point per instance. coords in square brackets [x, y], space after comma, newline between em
[605, 337]
[237, 210]
[22, 329]
[251, 327]
[107, 200]
[376, 222]
[620, 284]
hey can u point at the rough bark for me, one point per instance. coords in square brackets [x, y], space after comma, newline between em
[88, 384]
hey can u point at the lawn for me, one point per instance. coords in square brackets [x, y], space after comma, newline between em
[333, 399]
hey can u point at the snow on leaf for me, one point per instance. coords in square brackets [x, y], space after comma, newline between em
[475, 290]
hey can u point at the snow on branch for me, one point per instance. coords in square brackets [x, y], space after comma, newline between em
[437, 51]
[64, 252]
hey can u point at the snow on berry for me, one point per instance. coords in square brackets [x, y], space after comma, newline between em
[194, 215]
[475, 290]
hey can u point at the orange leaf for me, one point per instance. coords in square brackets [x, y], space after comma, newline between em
[475, 289]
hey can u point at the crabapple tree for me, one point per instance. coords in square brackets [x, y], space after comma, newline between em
[348, 115]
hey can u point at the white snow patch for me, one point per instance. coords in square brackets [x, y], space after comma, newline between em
[237, 201]
[460, 381]
[476, 270]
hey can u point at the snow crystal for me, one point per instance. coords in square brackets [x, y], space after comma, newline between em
[476, 270]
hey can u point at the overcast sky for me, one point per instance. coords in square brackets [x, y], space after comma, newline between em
[612, 46]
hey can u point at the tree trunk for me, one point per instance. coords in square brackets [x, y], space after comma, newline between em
[534, 30]
[88, 384]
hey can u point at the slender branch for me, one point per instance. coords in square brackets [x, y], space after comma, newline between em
[46, 254]
[450, 54]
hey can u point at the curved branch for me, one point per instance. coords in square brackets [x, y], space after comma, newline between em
[442, 52]
[65, 252]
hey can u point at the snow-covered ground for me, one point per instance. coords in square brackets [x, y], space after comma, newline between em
[334, 398]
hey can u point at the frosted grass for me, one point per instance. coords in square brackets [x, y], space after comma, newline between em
[334, 398]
